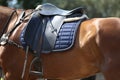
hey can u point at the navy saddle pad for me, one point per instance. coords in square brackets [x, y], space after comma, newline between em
[43, 36]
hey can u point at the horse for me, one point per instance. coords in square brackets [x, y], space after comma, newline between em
[96, 49]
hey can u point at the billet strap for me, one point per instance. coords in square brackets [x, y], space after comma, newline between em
[25, 62]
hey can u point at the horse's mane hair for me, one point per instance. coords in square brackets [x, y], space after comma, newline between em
[7, 11]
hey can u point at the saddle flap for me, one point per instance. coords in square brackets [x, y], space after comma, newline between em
[33, 31]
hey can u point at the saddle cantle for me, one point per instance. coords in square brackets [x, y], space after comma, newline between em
[48, 30]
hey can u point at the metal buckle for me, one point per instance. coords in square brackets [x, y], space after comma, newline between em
[3, 39]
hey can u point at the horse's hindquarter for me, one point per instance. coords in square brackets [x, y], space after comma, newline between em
[109, 43]
[104, 33]
[71, 64]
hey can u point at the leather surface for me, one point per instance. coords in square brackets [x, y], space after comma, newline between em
[50, 9]
[41, 32]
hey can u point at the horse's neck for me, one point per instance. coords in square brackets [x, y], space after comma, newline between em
[5, 12]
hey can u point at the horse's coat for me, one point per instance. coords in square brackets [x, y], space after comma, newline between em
[96, 49]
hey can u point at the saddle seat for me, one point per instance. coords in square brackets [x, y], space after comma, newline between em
[50, 9]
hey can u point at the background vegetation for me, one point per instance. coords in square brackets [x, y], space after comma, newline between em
[95, 8]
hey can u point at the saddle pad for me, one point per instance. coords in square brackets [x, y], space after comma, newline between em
[66, 36]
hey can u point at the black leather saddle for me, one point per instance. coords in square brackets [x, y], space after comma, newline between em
[50, 9]
[46, 31]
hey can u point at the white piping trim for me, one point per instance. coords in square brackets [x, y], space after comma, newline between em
[75, 18]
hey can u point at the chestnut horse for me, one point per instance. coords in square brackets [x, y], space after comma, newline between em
[96, 49]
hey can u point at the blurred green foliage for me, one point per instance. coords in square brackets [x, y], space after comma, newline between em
[95, 8]
[3, 2]
[29, 4]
